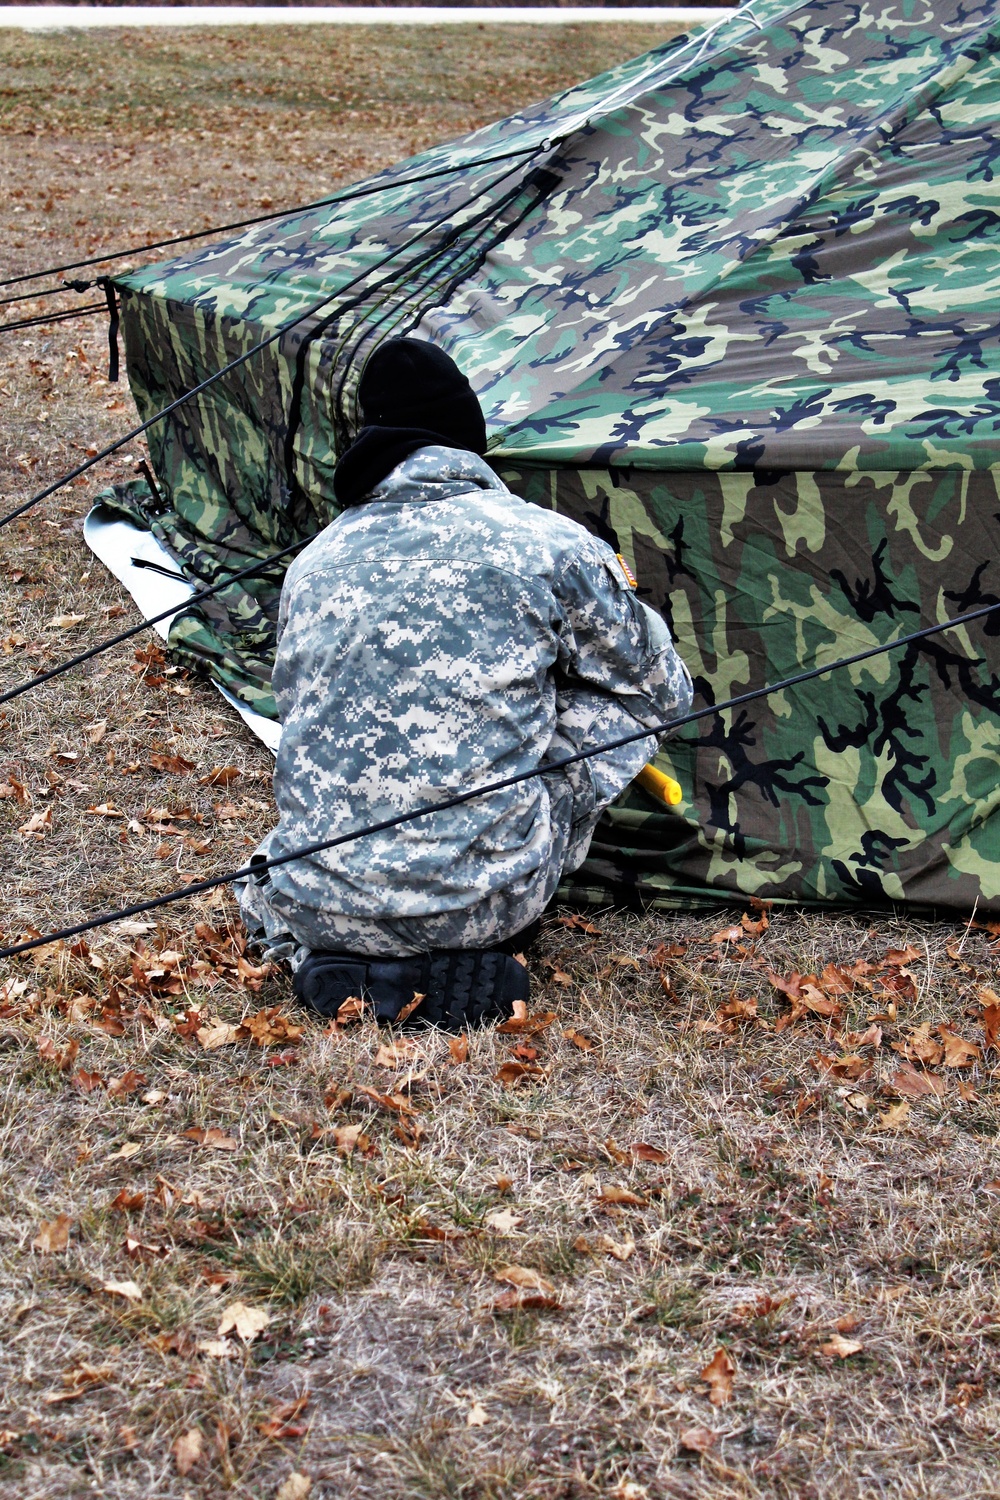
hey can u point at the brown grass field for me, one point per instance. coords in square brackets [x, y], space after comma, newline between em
[703, 1228]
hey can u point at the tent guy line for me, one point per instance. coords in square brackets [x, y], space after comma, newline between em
[283, 328]
[134, 630]
[457, 799]
[364, 191]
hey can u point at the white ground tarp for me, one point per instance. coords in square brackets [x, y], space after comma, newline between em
[117, 544]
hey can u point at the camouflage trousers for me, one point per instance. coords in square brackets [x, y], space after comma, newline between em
[578, 794]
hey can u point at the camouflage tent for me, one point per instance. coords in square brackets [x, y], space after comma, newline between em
[734, 305]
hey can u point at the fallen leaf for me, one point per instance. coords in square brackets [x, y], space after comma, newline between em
[393, 1104]
[38, 824]
[127, 1289]
[138, 1250]
[62, 1058]
[128, 1083]
[458, 1047]
[990, 1018]
[510, 1074]
[219, 1034]
[718, 1376]
[212, 1139]
[621, 1196]
[920, 1046]
[87, 1082]
[64, 622]
[621, 1250]
[269, 1026]
[477, 1415]
[958, 1053]
[78, 1381]
[105, 810]
[125, 1202]
[219, 776]
[503, 1221]
[172, 765]
[514, 1301]
[53, 1235]
[187, 1451]
[899, 956]
[913, 1085]
[525, 1024]
[524, 1278]
[347, 1138]
[697, 1439]
[216, 1348]
[396, 1055]
[642, 1152]
[295, 1487]
[579, 1040]
[409, 1008]
[280, 1421]
[837, 1347]
[727, 935]
[246, 1322]
[580, 923]
[126, 1152]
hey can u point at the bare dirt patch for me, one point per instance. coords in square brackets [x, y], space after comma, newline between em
[720, 1220]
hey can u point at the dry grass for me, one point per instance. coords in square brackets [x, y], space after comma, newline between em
[778, 1202]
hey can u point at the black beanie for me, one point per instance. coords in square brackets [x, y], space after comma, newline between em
[410, 383]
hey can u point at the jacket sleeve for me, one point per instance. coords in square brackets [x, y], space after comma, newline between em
[612, 641]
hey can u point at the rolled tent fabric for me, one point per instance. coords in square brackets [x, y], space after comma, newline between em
[735, 306]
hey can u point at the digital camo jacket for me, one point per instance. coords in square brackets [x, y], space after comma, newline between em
[427, 642]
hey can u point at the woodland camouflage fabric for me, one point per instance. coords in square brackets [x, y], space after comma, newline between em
[766, 252]
[878, 782]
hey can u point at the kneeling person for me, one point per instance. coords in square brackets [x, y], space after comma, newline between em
[442, 634]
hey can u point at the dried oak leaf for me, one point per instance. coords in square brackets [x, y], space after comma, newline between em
[270, 1026]
[580, 1040]
[348, 1138]
[697, 1439]
[990, 1018]
[510, 1074]
[620, 1249]
[458, 1049]
[503, 1221]
[913, 1085]
[621, 1197]
[396, 1055]
[172, 765]
[280, 1421]
[294, 1486]
[640, 1151]
[837, 1347]
[958, 1053]
[125, 1202]
[126, 1289]
[718, 1376]
[212, 1139]
[895, 1117]
[53, 1235]
[246, 1322]
[525, 1024]
[128, 1083]
[187, 1450]
[525, 1279]
[219, 776]
[920, 1046]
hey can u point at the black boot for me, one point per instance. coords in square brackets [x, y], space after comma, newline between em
[460, 987]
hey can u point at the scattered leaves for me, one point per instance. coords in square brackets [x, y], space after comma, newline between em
[246, 1322]
[53, 1235]
[718, 1376]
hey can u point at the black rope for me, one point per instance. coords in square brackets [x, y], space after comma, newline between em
[63, 317]
[282, 213]
[48, 291]
[241, 359]
[126, 635]
[459, 798]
